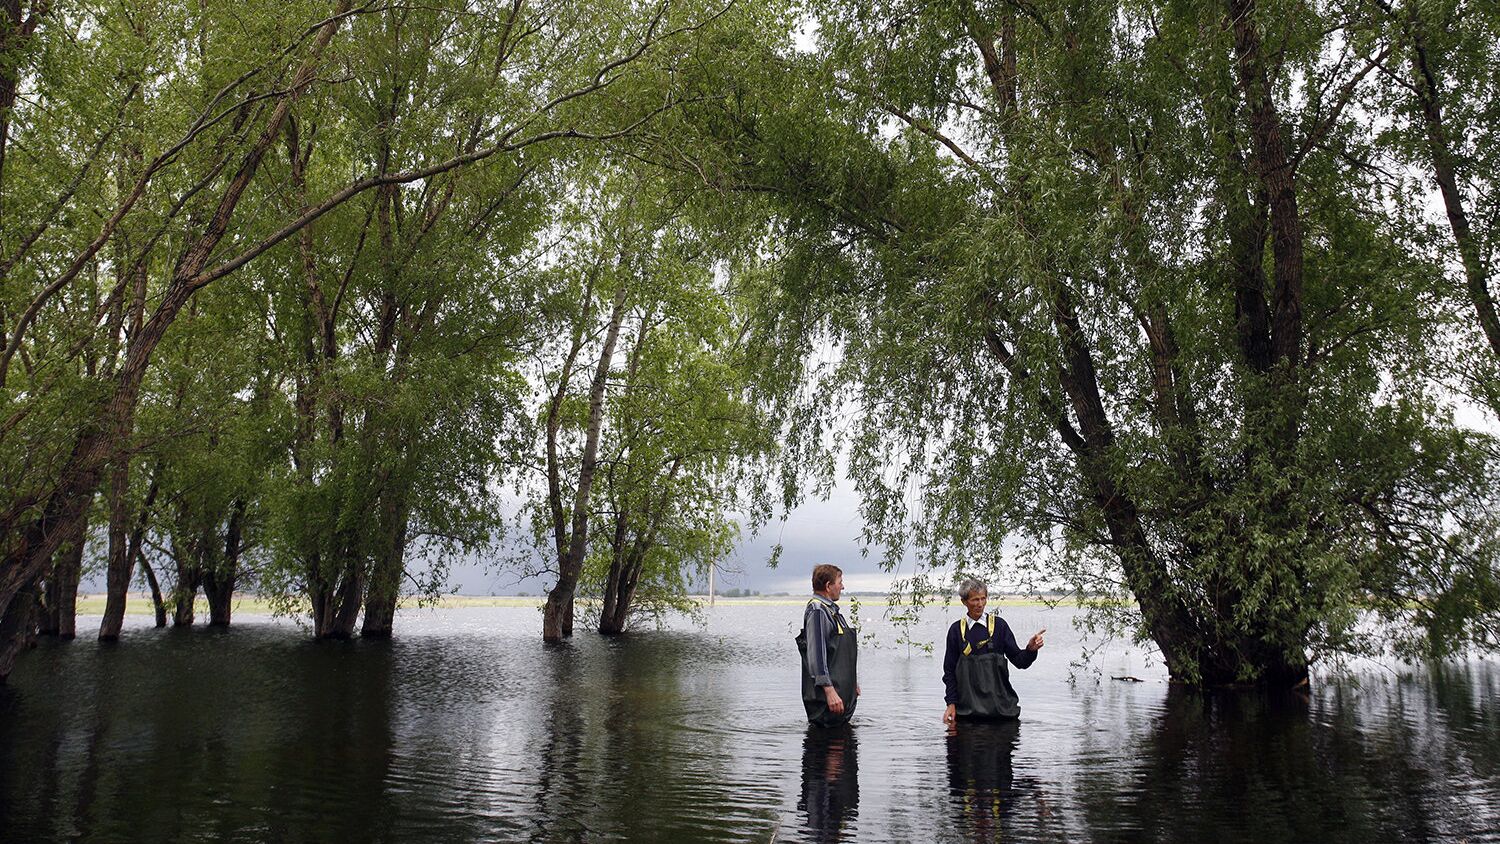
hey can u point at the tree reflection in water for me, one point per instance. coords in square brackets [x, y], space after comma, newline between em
[1403, 759]
[830, 782]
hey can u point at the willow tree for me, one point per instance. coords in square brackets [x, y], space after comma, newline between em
[643, 411]
[415, 304]
[197, 107]
[213, 145]
[210, 425]
[1118, 300]
[681, 437]
[401, 327]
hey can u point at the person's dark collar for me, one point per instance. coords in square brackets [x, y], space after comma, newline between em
[825, 599]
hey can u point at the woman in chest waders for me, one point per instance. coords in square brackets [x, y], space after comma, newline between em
[975, 676]
[830, 654]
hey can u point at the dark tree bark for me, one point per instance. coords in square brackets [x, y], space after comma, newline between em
[336, 601]
[17, 628]
[121, 563]
[190, 562]
[158, 605]
[61, 618]
[1274, 169]
[628, 559]
[133, 549]
[219, 581]
[385, 580]
[1445, 171]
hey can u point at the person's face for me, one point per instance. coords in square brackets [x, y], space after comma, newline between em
[836, 588]
[976, 602]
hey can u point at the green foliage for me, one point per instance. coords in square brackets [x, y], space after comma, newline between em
[358, 379]
[678, 427]
[1020, 263]
[940, 238]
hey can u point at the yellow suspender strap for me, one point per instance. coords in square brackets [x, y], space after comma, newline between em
[835, 617]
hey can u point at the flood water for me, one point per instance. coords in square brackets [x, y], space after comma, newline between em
[466, 728]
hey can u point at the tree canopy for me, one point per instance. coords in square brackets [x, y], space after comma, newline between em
[1173, 304]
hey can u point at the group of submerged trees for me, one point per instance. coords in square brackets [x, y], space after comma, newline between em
[1172, 303]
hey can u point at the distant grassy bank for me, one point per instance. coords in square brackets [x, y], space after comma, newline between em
[246, 604]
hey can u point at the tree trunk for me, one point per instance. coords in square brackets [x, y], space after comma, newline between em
[1444, 170]
[191, 563]
[620, 596]
[385, 583]
[219, 581]
[613, 616]
[157, 604]
[183, 599]
[121, 563]
[219, 589]
[17, 628]
[61, 619]
[557, 615]
[336, 604]
[1276, 173]
[627, 563]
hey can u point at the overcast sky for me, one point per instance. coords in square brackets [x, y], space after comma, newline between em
[816, 532]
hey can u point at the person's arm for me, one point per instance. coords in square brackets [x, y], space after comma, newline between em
[950, 674]
[1018, 656]
[815, 624]
[950, 664]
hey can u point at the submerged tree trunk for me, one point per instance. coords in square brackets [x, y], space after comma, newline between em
[336, 603]
[61, 618]
[219, 581]
[185, 595]
[628, 561]
[619, 596]
[157, 603]
[616, 612]
[17, 628]
[219, 589]
[121, 563]
[385, 578]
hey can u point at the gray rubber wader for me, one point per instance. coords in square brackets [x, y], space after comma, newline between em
[984, 689]
[843, 656]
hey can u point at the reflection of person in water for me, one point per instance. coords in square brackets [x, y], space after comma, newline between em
[830, 782]
[975, 677]
[830, 653]
[980, 783]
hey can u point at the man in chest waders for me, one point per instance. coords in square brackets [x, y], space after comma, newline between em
[829, 653]
[975, 676]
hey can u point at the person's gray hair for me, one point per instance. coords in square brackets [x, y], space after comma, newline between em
[970, 586]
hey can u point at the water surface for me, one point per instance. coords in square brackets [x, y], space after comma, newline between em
[466, 728]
